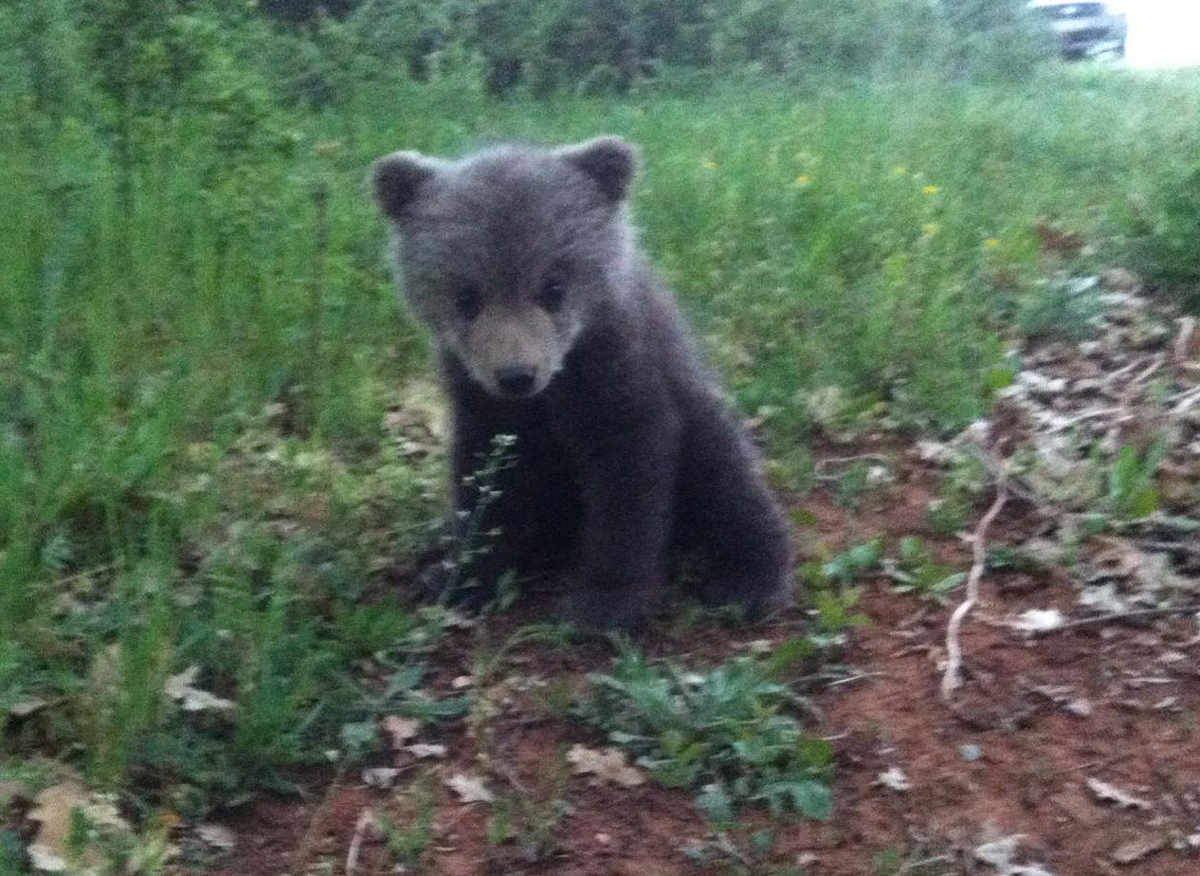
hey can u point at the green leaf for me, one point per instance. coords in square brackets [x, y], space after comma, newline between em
[715, 803]
[359, 737]
[998, 378]
[788, 654]
[857, 561]
[1143, 504]
[435, 710]
[804, 519]
[811, 799]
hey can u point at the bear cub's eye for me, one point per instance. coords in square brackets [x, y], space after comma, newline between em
[554, 290]
[468, 302]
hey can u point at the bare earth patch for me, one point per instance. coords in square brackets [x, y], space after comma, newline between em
[1013, 754]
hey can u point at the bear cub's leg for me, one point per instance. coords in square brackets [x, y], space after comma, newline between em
[624, 436]
[727, 514]
[513, 510]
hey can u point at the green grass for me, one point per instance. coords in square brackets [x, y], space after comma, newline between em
[194, 459]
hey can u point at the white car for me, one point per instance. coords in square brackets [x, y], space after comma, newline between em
[1085, 29]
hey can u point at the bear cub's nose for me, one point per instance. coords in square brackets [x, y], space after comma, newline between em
[515, 381]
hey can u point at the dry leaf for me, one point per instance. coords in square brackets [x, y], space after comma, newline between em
[191, 699]
[380, 777]
[1136, 849]
[25, 708]
[894, 778]
[1112, 794]
[1000, 854]
[53, 811]
[218, 836]
[1103, 598]
[470, 789]
[400, 730]
[609, 765]
[1038, 620]
[421, 751]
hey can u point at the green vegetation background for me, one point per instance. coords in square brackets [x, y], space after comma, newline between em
[203, 362]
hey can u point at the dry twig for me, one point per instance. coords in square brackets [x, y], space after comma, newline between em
[1119, 616]
[951, 678]
[366, 821]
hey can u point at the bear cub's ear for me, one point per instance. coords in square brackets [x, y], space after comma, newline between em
[396, 179]
[610, 161]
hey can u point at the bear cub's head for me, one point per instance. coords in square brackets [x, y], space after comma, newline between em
[508, 253]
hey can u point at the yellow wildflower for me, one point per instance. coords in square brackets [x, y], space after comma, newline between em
[802, 180]
[929, 229]
[992, 243]
[710, 165]
[931, 190]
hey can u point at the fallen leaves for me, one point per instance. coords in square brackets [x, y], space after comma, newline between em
[1107, 793]
[424, 751]
[382, 778]
[610, 765]
[26, 707]
[894, 777]
[54, 811]
[1038, 620]
[470, 789]
[1000, 854]
[400, 730]
[1136, 849]
[218, 836]
[181, 689]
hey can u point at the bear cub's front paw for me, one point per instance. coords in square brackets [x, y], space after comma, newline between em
[758, 597]
[603, 609]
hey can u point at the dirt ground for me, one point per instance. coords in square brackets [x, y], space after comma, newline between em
[1035, 722]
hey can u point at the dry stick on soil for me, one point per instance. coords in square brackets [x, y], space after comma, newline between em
[1119, 616]
[820, 469]
[1183, 401]
[951, 679]
[366, 820]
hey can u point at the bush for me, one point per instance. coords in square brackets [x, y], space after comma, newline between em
[609, 45]
[729, 733]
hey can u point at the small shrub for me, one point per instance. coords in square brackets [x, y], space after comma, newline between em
[730, 733]
[916, 571]
[1132, 491]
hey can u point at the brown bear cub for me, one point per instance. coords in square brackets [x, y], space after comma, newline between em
[551, 327]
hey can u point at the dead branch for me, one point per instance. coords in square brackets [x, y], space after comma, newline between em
[1155, 364]
[1119, 617]
[1171, 547]
[1093, 414]
[951, 678]
[820, 469]
[1183, 401]
[366, 821]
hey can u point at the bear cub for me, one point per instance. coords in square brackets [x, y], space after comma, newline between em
[551, 327]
